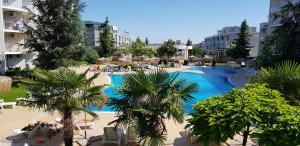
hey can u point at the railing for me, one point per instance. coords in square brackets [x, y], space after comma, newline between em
[275, 22]
[13, 47]
[13, 25]
[21, 4]
[277, 7]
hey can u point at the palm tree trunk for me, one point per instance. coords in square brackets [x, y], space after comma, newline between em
[68, 128]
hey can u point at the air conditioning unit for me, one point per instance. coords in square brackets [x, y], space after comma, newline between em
[12, 14]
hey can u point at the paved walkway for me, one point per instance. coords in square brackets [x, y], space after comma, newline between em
[241, 78]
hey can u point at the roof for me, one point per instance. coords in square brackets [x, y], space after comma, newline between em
[92, 22]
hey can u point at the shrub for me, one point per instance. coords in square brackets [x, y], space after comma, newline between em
[13, 71]
[165, 62]
[172, 65]
[186, 62]
[90, 55]
[18, 72]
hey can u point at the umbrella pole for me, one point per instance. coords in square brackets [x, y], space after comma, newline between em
[85, 125]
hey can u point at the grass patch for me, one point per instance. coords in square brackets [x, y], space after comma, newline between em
[14, 93]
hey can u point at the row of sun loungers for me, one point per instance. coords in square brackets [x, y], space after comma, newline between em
[113, 135]
[5, 104]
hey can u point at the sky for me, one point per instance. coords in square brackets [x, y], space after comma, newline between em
[159, 20]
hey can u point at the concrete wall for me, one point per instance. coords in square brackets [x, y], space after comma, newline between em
[2, 43]
[16, 61]
[22, 60]
[254, 41]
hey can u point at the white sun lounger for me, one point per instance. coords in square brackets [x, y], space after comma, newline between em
[31, 133]
[112, 135]
[3, 104]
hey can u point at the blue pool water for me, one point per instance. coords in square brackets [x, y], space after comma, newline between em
[209, 85]
[214, 70]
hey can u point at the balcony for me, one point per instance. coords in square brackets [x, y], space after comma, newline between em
[16, 5]
[14, 48]
[275, 22]
[13, 26]
[277, 7]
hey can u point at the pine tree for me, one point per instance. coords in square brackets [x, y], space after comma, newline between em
[58, 33]
[242, 45]
[147, 41]
[107, 43]
[189, 43]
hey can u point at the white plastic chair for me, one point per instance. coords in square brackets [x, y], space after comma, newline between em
[3, 104]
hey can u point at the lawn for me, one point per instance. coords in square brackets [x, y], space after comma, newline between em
[14, 93]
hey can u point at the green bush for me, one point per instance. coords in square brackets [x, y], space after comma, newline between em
[186, 62]
[165, 62]
[18, 72]
[172, 65]
[90, 55]
[13, 71]
[134, 66]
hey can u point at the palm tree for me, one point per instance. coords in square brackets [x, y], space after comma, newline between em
[285, 77]
[148, 99]
[65, 91]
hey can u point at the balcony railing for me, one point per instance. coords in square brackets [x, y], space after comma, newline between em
[277, 7]
[13, 25]
[20, 4]
[13, 47]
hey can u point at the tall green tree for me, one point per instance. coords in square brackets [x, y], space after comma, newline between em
[267, 56]
[57, 34]
[189, 43]
[66, 92]
[197, 51]
[138, 48]
[167, 49]
[242, 45]
[242, 111]
[107, 42]
[284, 77]
[146, 42]
[148, 100]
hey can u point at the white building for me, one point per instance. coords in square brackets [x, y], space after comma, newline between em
[218, 44]
[182, 49]
[263, 32]
[276, 7]
[267, 28]
[12, 16]
[93, 32]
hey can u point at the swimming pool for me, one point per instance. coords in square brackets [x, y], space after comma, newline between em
[209, 85]
[214, 70]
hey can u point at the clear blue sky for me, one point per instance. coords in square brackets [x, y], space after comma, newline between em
[160, 20]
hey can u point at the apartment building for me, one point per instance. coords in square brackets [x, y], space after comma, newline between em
[217, 45]
[275, 7]
[263, 32]
[267, 28]
[93, 32]
[12, 15]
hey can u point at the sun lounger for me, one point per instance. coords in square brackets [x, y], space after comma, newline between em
[85, 124]
[31, 133]
[111, 135]
[131, 136]
[3, 104]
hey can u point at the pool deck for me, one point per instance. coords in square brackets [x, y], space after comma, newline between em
[11, 119]
[21, 116]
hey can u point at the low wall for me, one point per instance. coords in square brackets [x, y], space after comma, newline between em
[5, 83]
